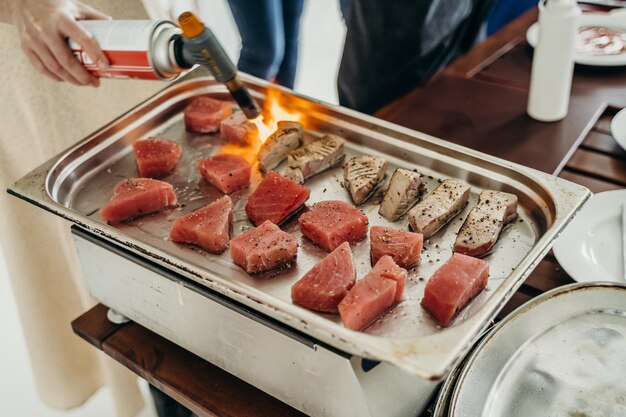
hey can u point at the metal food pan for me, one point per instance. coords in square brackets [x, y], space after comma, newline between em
[76, 183]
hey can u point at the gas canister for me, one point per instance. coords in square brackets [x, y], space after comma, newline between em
[135, 48]
[153, 50]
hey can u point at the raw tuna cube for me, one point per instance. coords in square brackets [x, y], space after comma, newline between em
[373, 295]
[204, 114]
[208, 227]
[403, 247]
[227, 173]
[453, 286]
[263, 248]
[388, 269]
[237, 129]
[327, 283]
[134, 197]
[275, 199]
[330, 223]
[156, 157]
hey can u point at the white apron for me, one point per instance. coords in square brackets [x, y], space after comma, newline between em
[38, 119]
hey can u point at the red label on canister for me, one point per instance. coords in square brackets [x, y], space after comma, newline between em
[126, 43]
[122, 64]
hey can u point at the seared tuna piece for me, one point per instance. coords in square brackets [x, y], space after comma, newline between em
[439, 207]
[403, 192]
[315, 157]
[275, 149]
[362, 174]
[483, 224]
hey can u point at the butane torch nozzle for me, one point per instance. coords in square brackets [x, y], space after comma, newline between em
[242, 96]
[200, 46]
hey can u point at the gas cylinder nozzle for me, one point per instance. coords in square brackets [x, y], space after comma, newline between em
[200, 46]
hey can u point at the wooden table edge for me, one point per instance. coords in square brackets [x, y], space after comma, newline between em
[94, 327]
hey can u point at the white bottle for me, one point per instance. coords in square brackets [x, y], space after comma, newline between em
[553, 60]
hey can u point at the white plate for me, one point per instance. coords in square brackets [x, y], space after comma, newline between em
[615, 20]
[590, 248]
[618, 128]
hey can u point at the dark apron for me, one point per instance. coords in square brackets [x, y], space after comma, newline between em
[392, 46]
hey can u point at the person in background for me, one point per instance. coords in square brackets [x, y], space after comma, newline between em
[393, 46]
[269, 32]
[504, 11]
[40, 118]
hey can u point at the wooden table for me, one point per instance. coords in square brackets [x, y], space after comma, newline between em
[479, 101]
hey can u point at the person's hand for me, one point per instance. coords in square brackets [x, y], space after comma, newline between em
[45, 25]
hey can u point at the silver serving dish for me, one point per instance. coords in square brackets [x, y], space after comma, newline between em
[76, 183]
[560, 354]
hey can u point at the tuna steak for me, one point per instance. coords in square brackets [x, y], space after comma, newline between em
[263, 248]
[156, 157]
[330, 223]
[227, 173]
[403, 247]
[275, 199]
[482, 227]
[439, 207]
[134, 197]
[208, 227]
[275, 149]
[325, 285]
[362, 174]
[204, 114]
[237, 129]
[373, 295]
[403, 192]
[315, 157]
[387, 268]
[453, 286]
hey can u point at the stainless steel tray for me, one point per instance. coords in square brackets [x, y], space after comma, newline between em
[78, 182]
[560, 354]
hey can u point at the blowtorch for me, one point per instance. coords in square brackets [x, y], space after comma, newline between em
[158, 50]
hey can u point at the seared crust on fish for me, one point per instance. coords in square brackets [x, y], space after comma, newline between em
[294, 174]
[275, 149]
[315, 157]
[485, 222]
[362, 174]
[403, 192]
[439, 207]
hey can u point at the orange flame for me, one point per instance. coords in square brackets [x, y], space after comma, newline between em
[264, 130]
[273, 112]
